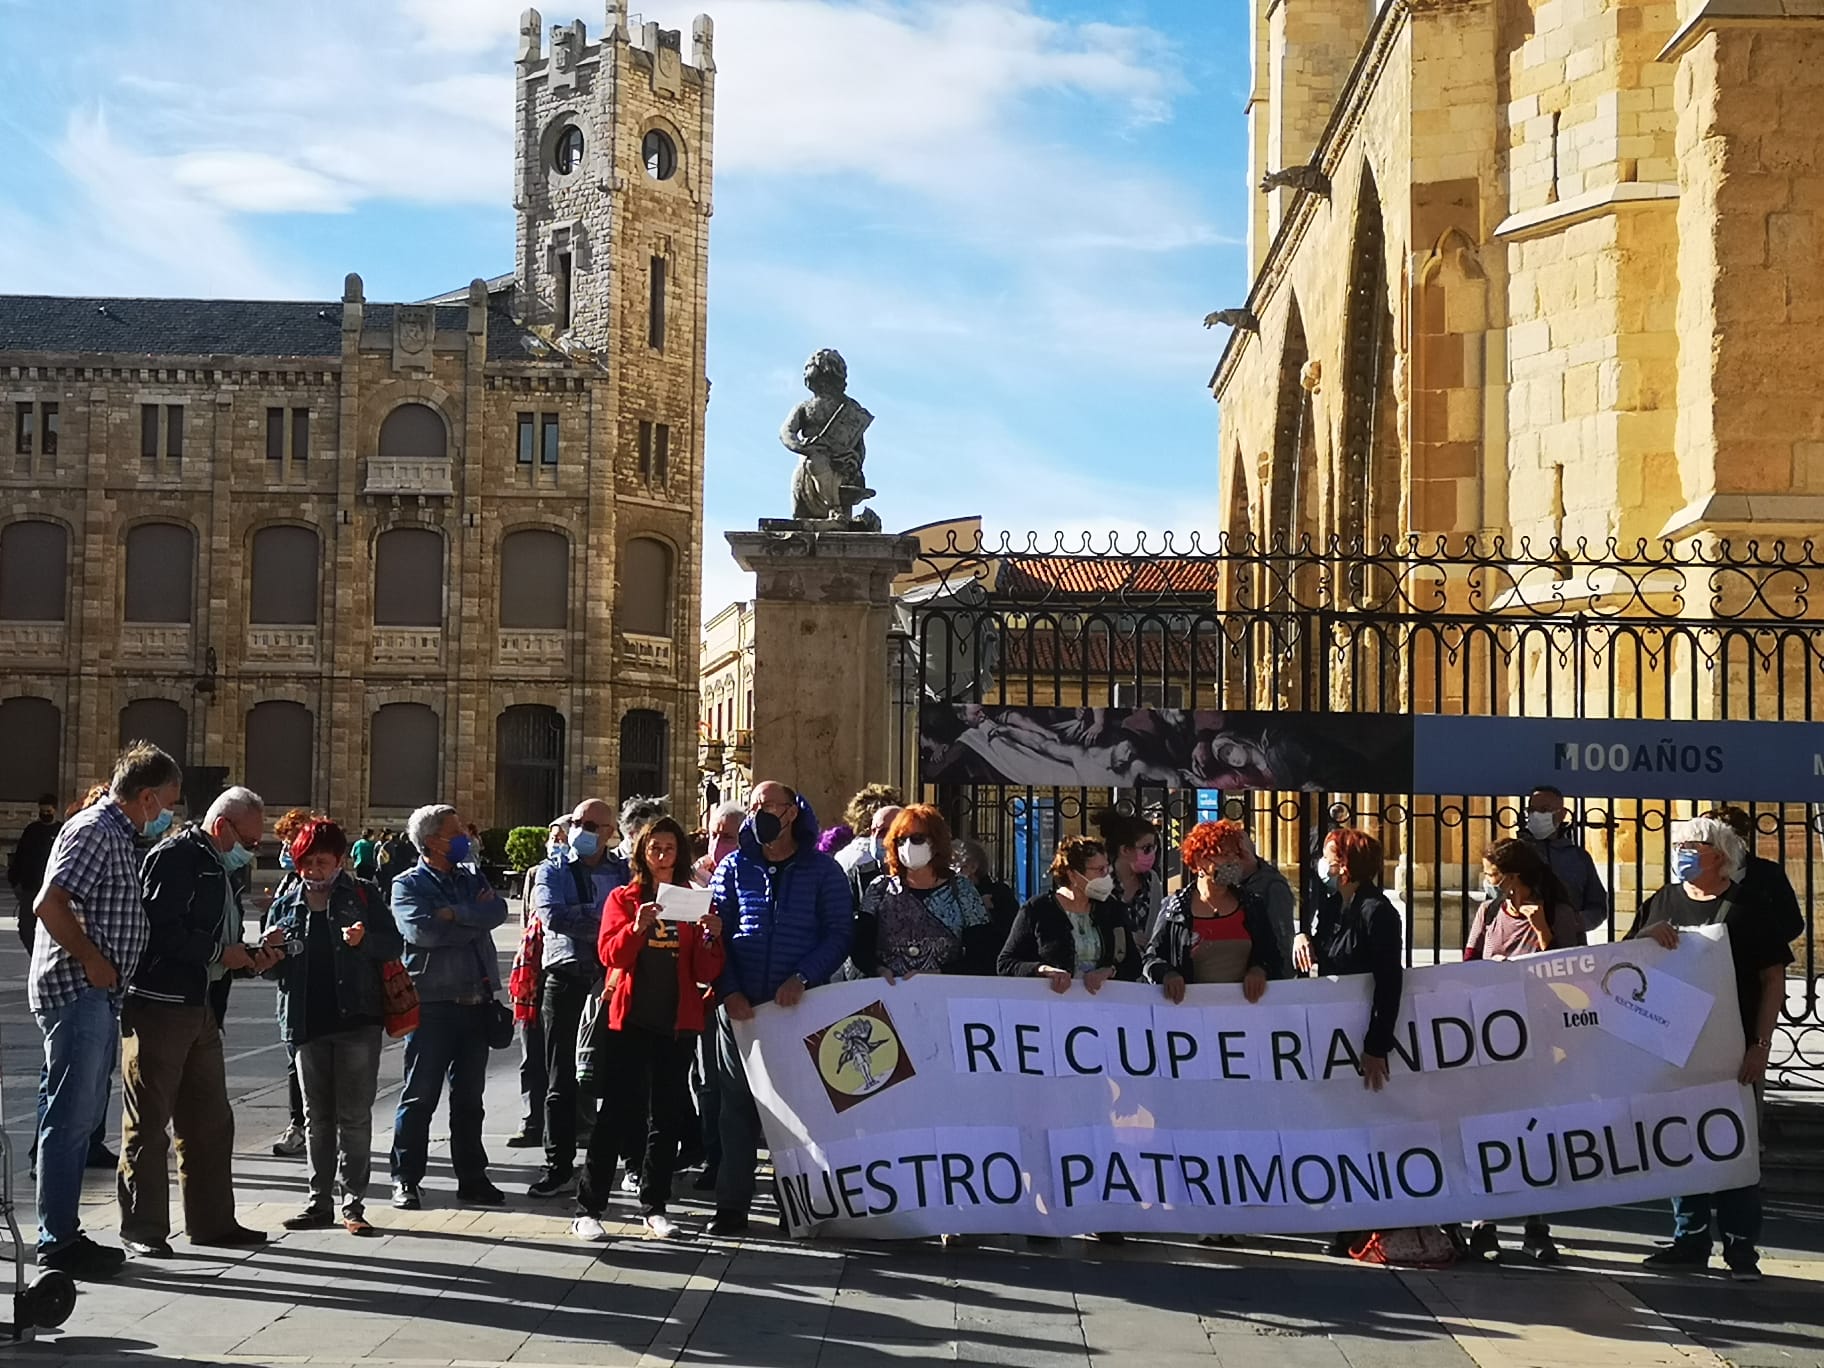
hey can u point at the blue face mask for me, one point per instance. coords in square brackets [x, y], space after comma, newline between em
[236, 857]
[585, 843]
[1686, 864]
[460, 849]
[159, 825]
[285, 861]
[554, 848]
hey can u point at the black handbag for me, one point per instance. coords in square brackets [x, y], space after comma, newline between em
[500, 1015]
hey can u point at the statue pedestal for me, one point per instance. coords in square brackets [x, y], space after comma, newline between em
[823, 605]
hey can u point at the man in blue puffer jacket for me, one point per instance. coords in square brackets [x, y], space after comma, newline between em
[788, 919]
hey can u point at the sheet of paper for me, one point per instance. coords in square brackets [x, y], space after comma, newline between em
[1652, 1009]
[678, 903]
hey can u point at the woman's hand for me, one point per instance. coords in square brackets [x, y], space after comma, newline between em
[893, 979]
[1060, 978]
[1174, 988]
[1095, 978]
[1536, 919]
[354, 935]
[709, 925]
[1254, 984]
[1301, 953]
[645, 918]
[1664, 933]
[1374, 1072]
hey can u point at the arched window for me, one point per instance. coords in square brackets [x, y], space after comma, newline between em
[161, 568]
[414, 432]
[643, 767]
[660, 154]
[567, 155]
[535, 579]
[402, 756]
[1292, 492]
[34, 572]
[31, 744]
[645, 606]
[528, 765]
[158, 720]
[281, 745]
[285, 567]
[408, 578]
[1371, 465]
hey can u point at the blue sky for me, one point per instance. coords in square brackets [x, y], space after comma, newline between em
[1009, 215]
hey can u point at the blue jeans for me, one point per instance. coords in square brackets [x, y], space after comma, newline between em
[80, 1040]
[451, 1040]
[1738, 1220]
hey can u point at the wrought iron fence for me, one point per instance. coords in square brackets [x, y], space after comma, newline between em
[1654, 630]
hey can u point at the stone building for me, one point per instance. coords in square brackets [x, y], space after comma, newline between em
[726, 749]
[1546, 268]
[368, 555]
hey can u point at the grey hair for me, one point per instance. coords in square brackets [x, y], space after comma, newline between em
[971, 851]
[640, 812]
[422, 825]
[1713, 831]
[731, 808]
[233, 802]
[143, 766]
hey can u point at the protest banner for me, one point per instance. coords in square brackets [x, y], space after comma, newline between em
[1579, 1078]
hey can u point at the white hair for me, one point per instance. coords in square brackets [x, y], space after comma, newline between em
[731, 808]
[426, 822]
[233, 802]
[1713, 831]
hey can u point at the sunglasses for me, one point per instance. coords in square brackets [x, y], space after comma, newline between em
[916, 839]
[585, 824]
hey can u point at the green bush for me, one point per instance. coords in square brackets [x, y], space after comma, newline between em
[494, 846]
[525, 847]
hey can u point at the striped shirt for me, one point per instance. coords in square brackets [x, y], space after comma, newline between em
[94, 861]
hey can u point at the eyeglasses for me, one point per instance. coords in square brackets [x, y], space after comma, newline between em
[1147, 849]
[585, 824]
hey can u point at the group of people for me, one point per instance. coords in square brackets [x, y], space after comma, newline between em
[140, 951]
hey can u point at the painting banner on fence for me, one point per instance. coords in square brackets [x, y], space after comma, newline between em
[945, 1103]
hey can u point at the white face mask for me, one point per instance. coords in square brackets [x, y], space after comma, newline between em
[1098, 889]
[1541, 825]
[914, 855]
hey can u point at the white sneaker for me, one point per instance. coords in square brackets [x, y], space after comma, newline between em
[291, 1143]
[630, 1184]
[661, 1226]
[590, 1229]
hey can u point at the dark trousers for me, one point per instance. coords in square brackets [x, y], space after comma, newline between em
[563, 991]
[451, 1040]
[648, 1075]
[533, 1080]
[294, 1086]
[172, 1074]
[1737, 1218]
[739, 1124]
[704, 1083]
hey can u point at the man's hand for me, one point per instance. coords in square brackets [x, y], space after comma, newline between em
[1095, 978]
[1754, 1064]
[709, 925]
[790, 993]
[645, 918]
[1060, 978]
[266, 957]
[101, 972]
[1301, 953]
[1374, 1072]
[486, 895]
[739, 1008]
[446, 914]
[1254, 984]
[1664, 933]
[1174, 988]
[236, 957]
[354, 935]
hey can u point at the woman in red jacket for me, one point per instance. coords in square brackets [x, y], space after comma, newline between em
[655, 1013]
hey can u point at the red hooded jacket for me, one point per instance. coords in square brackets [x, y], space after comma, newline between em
[699, 960]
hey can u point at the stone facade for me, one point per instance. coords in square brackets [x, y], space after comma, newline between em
[727, 703]
[549, 624]
[1564, 282]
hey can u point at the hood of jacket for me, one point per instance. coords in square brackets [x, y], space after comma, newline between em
[804, 828]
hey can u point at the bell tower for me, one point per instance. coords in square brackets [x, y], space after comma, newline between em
[612, 182]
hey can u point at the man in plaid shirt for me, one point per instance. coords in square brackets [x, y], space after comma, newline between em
[95, 931]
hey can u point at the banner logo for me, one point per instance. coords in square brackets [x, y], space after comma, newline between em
[859, 1056]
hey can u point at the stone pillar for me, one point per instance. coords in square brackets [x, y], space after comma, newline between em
[822, 686]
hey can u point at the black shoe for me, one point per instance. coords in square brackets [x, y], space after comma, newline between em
[101, 1157]
[704, 1181]
[1485, 1243]
[1744, 1267]
[552, 1183]
[1539, 1246]
[235, 1237]
[83, 1259]
[1689, 1251]
[1108, 1237]
[688, 1159]
[311, 1218]
[728, 1223]
[1340, 1247]
[480, 1193]
[526, 1139]
[406, 1198]
[149, 1249]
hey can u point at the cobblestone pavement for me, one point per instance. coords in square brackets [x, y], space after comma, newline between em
[453, 1286]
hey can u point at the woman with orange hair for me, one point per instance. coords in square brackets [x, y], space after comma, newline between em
[1210, 931]
[291, 1141]
[920, 917]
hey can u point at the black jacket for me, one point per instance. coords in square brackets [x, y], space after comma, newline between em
[1174, 939]
[359, 985]
[182, 883]
[1364, 938]
[1765, 884]
[1041, 935]
[25, 870]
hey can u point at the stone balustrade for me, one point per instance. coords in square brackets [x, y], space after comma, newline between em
[532, 647]
[162, 641]
[408, 645]
[417, 475]
[282, 644]
[33, 640]
[646, 654]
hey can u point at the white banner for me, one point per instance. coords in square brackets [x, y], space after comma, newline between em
[1581, 1078]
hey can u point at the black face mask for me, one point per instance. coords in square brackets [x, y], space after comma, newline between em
[767, 826]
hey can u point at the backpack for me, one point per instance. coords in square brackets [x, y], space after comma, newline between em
[1407, 1247]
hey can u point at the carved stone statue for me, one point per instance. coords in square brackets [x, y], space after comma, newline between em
[826, 431]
